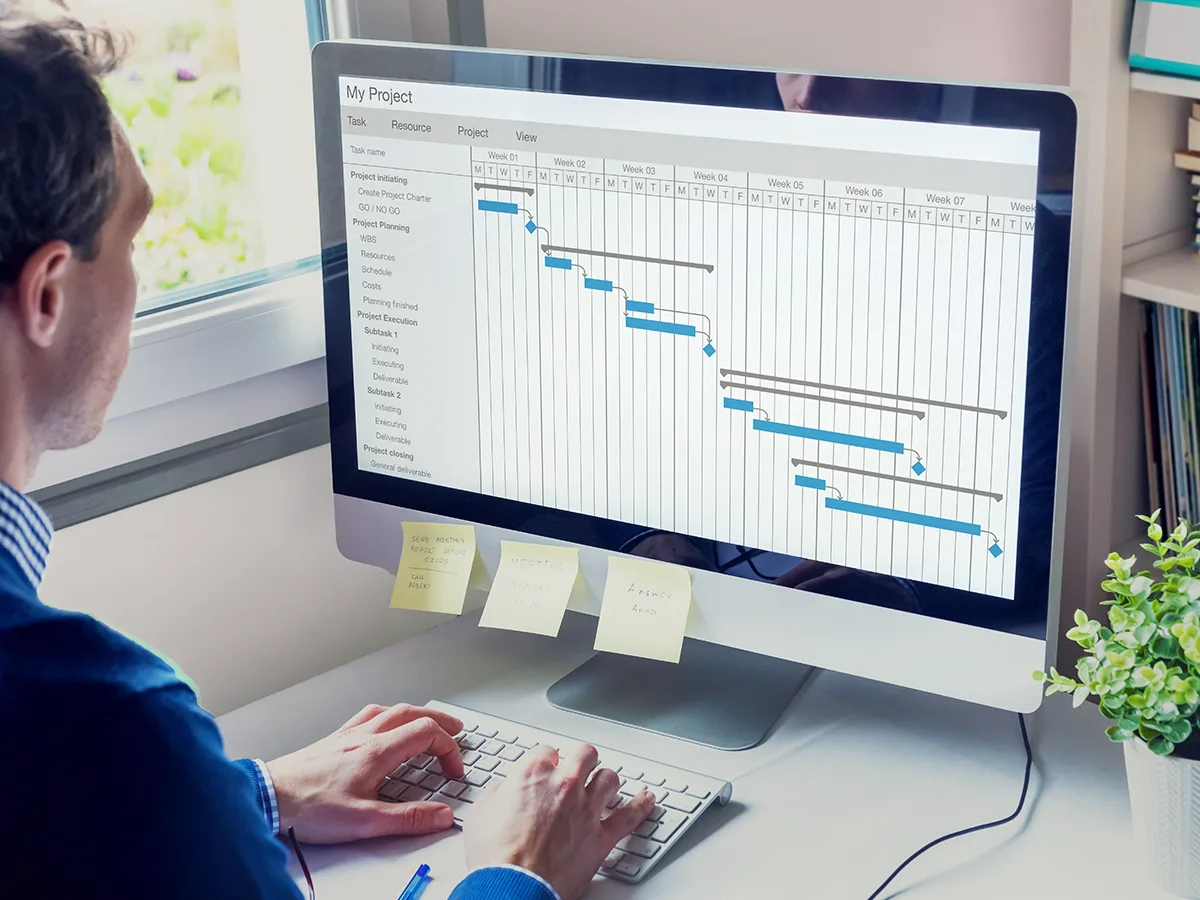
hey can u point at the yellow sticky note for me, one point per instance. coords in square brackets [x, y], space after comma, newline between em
[645, 609]
[436, 565]
[532, 588]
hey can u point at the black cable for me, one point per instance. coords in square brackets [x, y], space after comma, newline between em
[739, 559]
[312, 892]
[755, 570]
[946, 837]
[748, 556]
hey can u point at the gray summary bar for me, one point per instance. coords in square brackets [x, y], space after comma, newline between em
[901, 478]
[515, 188]
[555, 248]
[944, 404]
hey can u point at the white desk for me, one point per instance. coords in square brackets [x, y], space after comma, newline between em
[855, 777]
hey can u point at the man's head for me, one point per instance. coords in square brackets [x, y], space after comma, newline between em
[72, 199]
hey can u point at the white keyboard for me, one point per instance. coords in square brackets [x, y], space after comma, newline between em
[492, 748]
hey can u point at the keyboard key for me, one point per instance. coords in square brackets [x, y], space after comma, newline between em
[628, 868]
[466, 729]
[435, 767]
[657, 813]
[698, 792]
[503, 769]
[676, 786]
[664, 830]
[477, 779]
[614, 766]
[525, 743]
[433, 782]
[638, 846]
[453, 788]
[512, 754]
[472, 795]
[401, 771]
[420, 761]
[646, 829]
[458, 807]
[653, 780]
[392, 790]
[616, 801]
[413, 776]
[491, 748]
[506, 737]
[681, 802]
[471, 742]
[470, 757]
[487, 763]
[612, 859]
[486, 732]
[415, 794]
[633, 774]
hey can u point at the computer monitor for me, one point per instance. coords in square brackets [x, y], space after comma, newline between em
[802, 333]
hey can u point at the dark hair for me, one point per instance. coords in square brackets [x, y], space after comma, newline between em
[58, 165]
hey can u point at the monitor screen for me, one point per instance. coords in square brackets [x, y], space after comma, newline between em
[811, 326]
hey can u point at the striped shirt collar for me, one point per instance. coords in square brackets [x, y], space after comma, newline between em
[25, 533]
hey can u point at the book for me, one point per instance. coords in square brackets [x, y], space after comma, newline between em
[1194, 134]
[1188, 160]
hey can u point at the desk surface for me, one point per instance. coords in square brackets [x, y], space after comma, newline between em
[855, 776]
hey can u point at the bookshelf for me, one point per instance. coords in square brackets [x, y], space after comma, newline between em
[1172, 278]
[1131, 220]
[1165, 84]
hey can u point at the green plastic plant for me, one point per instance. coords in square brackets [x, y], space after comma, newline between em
[1144, 666]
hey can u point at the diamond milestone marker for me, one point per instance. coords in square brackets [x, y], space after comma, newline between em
[530, 227]
[919, 467]
[995, 550]
[709, 349]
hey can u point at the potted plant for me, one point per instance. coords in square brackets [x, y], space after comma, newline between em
[1144, 668]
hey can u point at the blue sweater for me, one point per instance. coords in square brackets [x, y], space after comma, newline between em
[115, 780]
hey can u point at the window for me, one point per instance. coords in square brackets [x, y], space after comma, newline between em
[215, 98]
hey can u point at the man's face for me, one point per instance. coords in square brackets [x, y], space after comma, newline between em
[80, 373]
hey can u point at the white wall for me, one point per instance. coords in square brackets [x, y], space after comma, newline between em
[239, 581]
[958, 40]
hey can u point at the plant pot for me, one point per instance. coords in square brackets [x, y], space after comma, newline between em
[1164, 797]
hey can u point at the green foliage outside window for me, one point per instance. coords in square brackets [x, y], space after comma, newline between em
[180, 107]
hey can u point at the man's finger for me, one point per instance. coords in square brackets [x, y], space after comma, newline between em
[579, 764]
[413, 818]
[366, 714]
[624, 819]
[403, 713]
[602, 788]
[421, 736]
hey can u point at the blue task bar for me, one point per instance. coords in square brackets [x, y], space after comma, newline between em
[499, 206]
[658, 325]
[833, 437]
[597, 284]
[558, 262]
[899, 515]
[743, 405]
[806, 481]
[639, 306]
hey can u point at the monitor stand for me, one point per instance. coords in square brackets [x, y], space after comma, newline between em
[716, 696]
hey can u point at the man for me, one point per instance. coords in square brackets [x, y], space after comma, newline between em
[115, 780]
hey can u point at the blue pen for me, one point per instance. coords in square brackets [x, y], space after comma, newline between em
[416, 883]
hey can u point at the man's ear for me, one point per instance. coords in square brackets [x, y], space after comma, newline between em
[39, 294]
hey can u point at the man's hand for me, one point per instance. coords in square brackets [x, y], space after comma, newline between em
[327, 791]
[549, 819]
